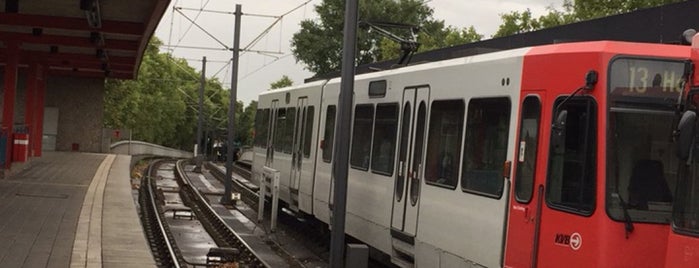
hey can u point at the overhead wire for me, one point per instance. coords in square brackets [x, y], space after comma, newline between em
[190, 26]
[221, 69]
[265, 31]
[196, 47]
[256, 40]
[172, 21]
[263, 66]
[202, 29]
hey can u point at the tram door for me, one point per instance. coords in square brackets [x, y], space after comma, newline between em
[297, 150]
[271, 133]
[406, 192]
[527, 201]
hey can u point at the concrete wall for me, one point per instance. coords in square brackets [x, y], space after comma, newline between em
[144, 148]
[80, 103]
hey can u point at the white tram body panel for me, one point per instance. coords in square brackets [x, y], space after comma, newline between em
[460, 222]
[293, 147]
[430, 223]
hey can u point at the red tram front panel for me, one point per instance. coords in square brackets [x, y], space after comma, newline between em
[559, 216]
[682, 251]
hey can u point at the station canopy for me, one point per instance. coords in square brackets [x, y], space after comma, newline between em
[83, 38]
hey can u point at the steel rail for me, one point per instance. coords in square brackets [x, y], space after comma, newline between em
[165, 251]
[210, 219]
[250, 196]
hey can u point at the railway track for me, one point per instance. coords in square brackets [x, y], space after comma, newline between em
[247, 194]
[213, 223]
[162, 243]
[313, 232]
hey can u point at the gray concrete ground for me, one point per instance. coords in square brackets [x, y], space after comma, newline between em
[63, 202]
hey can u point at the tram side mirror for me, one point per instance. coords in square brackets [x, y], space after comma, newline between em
[686, 130]
[590, 79]
[559, 131]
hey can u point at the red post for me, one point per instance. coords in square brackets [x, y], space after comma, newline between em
[20, 149]
[10, 88]
[29, 118]
[39, 114]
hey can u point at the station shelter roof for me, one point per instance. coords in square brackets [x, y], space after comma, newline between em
[84, 38]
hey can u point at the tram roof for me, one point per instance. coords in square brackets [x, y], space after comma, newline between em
[659, 25]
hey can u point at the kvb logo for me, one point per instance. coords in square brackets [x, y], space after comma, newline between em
[573, 241]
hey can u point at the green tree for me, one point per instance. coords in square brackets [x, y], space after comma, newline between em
[573, 11]
[247, 124]
[161, 106]
[591, 9]
[285, 81]
[319, 43]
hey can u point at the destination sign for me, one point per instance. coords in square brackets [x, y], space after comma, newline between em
[646, 80]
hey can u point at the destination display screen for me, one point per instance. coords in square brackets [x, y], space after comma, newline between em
[645, 81]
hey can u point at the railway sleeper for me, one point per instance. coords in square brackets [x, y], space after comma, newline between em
[222, 255]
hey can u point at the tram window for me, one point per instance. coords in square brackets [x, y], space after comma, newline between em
[572, 168]
[384, 150]
[308, 132]
[279, 130]
[444, 143]
[289, 129]
[485, 148]
[261, 127]
[528, 144]
[258, 128]
[403, 151]
[642, 166]
[329, 134]
[686, 207]
[361, 136]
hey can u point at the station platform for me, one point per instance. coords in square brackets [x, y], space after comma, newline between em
[71, 210]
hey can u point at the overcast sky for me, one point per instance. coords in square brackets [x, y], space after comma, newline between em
[257, 71]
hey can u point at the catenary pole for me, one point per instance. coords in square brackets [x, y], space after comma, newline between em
[340, 166]
[226, 199]
[201, 106]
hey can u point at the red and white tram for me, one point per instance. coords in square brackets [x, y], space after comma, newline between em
[555, 155]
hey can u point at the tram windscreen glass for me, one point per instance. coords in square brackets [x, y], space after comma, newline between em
[643, 82]
[641, 164]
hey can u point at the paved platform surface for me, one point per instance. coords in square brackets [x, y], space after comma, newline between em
[71, 210]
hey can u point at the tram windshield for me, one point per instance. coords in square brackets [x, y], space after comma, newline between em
[641, 163]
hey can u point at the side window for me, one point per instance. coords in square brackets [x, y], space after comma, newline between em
[279, 130]
[571, 175]
[258, 128]
[289, 129]
[384, 149]
[444, 143]
[528, 144]
[264, 127]
[485, 148]
[329, 134]
[361, 136]
[308, 132]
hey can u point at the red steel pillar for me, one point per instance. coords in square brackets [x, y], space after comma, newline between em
[10, 88]
[39, 108]
[29, 104]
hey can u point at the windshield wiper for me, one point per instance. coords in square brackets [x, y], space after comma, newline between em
[628, 224]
